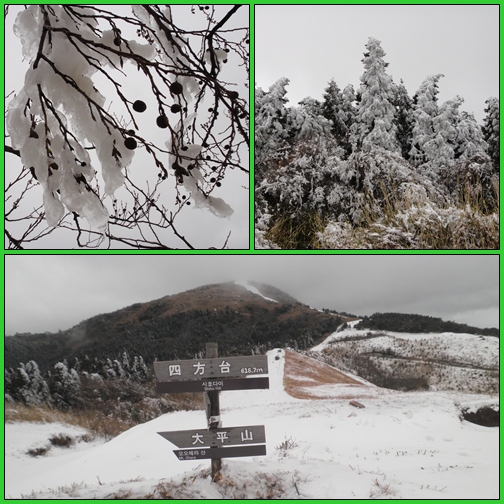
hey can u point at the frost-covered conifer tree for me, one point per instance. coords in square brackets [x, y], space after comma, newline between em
[374, 126]
[424, 110]
[28, 385]
[439, 151]
[403, 118]
[64, 385]
[271, 123]
[332, 109]
[491, 130]
[126, 118]
[470, 140]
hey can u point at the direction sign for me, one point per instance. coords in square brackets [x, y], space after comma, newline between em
[197, 369]
[219, 384]
[250, 434]
[220, 453]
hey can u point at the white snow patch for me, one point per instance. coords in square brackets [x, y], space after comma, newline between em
[254, 290]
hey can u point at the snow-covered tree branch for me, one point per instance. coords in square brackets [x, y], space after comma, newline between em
[127, 117]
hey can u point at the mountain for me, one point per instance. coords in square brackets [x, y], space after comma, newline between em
[242, 317]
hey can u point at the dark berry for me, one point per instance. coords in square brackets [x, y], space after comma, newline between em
[130, 143]
[139, 106]
[188, 202]
[218, 184]
[117, 41]
[175, 108]
[162, 121]
[131, 132]
[212, 180]
[176, 88]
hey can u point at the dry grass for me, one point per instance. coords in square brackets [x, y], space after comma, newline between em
[303, 373]
[93, 420]
[298, 233]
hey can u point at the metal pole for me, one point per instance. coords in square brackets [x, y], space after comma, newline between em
[213, 410]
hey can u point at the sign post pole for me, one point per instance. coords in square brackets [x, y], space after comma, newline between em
[212, 404]
[210, 375]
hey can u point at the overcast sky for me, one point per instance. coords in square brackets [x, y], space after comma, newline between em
[48, 293]
[311, 44]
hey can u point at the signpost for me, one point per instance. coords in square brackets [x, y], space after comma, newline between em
[210, 376]
[219, 384]
[250, 434]
[220, 453]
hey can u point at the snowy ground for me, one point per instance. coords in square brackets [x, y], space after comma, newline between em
[401, 445]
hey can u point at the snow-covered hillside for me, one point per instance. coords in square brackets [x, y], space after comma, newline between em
[401, 445]
[443, 361]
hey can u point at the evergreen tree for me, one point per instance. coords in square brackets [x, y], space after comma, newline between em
[271, 118]
[424, 110]
[332, 109]
[375, 126]
[491, 131]
[64, 385]
[470, 140]
[403, 118]
[439, 151]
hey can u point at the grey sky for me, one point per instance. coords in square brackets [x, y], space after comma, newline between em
[47, 292]
[311, 44]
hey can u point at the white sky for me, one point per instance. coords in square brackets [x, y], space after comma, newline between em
[200, 227]
[311, 44]
[51, 292]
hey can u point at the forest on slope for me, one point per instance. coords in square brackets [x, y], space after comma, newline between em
[375, 168]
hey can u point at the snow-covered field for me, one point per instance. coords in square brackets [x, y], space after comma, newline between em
[401, 445]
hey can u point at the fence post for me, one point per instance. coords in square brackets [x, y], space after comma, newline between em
[213, 409]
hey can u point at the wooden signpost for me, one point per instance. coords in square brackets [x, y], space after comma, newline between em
[210, 376]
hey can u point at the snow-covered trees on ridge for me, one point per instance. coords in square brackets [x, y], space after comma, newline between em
[375, 168]
[79, 122]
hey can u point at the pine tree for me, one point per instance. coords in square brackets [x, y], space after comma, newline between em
[491, 131]
[424, 110]
[375, 126]
[64, 385]
[332, 109]
[271, 115]
[470, 140]
[439, 151]
[403, 118]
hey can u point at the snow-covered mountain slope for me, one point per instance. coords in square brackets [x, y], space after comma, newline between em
[441, 361]
[401, 445]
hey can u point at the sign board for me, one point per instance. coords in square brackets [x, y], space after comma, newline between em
[197, 369]
[219, 384]
[250, 434]
[220, 453]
